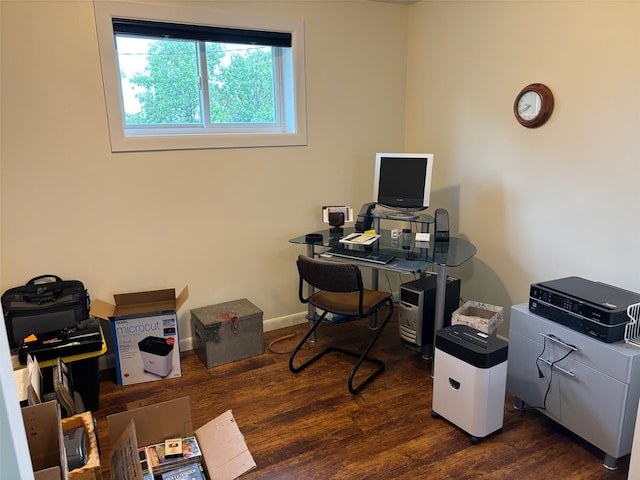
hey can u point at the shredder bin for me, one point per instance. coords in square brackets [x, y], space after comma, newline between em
[156, 355]
[469, 380]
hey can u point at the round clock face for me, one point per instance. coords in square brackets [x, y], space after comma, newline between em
[533, 105]
[529, 106]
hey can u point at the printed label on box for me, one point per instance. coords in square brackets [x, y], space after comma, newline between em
[147, 348]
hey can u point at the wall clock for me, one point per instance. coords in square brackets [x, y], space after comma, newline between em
[533, 105]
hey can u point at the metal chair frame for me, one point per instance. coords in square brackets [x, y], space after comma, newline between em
[339, 290]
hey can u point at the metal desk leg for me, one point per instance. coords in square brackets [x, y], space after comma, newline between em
[373, 319]
[311, 310]
[438, 318]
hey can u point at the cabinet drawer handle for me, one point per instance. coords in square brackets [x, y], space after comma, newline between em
[553, 338]
[567, 372]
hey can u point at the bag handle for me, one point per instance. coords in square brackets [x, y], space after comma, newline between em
[43, 294]
[34, 280]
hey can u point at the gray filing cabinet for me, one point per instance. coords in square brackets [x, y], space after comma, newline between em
[595, 386]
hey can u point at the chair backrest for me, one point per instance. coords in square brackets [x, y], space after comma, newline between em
[329, 276]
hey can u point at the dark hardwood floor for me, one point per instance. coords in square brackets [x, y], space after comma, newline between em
[308, 426]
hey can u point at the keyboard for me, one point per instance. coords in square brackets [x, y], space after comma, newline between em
[373, 257]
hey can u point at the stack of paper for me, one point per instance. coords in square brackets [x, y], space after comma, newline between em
[29, 382]
[360, 239]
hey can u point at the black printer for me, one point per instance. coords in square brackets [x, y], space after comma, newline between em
[594, 308]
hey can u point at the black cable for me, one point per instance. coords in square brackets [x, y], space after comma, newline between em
[544, 347]
[551, 365]
[544, 404]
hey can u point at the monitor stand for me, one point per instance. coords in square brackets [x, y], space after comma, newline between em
[401, 216]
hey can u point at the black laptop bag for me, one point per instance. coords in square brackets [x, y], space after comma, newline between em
[45, 304]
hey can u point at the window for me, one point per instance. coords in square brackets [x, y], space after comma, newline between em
[176, 79]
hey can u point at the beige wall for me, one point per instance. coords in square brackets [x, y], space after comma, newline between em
[539, 204]
[217, 220]
[542, 203]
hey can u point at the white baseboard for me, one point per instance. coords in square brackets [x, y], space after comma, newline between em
[286, 321]
[108, 360]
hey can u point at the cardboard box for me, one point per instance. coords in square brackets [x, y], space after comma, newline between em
[227, 332]
[91, 470]
[43, 427]
[225, 453]
[145, 334]
[481, 316]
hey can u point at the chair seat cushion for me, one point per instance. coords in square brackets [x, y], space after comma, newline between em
[346, 303]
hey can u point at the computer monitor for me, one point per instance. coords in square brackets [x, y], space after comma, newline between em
[402, 181]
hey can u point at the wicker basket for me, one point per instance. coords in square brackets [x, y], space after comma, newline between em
[481, 316]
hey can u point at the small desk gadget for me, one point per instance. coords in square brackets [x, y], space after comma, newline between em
[409, 258]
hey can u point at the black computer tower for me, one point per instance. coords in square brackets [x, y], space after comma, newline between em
[417, 310]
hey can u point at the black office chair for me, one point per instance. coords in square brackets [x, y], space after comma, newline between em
[339, 290]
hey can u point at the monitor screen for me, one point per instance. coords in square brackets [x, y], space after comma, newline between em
[403, 180]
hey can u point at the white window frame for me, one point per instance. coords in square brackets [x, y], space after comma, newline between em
[295, 131]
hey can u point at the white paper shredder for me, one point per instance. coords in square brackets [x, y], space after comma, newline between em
[469, 380]
[156, 355]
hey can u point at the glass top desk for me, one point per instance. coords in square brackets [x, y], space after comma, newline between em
[413, 259]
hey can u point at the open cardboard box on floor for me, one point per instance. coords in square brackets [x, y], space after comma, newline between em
[43, 427]
[91, 470]
[225, 453]
[145, 334]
